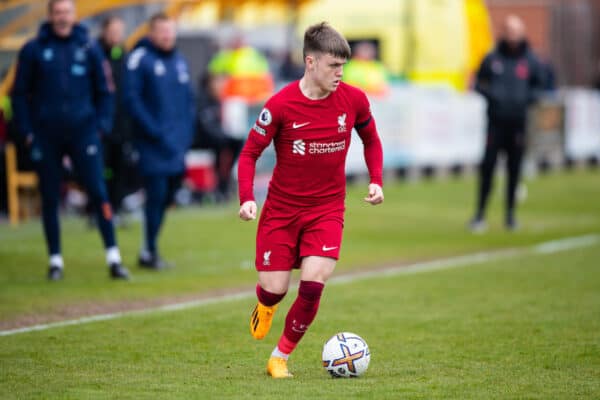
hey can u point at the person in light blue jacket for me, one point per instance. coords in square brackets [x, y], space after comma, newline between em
[159, 97]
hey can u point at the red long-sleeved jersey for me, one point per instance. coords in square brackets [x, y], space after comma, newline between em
[311, 140]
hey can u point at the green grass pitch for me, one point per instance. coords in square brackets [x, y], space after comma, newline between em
[527, 326]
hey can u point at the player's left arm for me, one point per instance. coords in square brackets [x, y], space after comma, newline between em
[373, 151]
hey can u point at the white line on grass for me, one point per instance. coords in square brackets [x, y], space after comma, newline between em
[553, 246]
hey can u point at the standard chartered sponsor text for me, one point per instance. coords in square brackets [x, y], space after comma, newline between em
[324, 148]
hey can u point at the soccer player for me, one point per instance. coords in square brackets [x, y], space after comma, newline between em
[63, 104]
[310, 122]
[159, 97]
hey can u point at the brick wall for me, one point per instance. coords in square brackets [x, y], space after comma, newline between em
[565, 32]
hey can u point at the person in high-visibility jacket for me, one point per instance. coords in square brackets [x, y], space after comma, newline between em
[365, 71]
[247, 71]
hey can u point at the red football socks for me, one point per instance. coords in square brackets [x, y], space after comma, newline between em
[301, 315]
[267, 298]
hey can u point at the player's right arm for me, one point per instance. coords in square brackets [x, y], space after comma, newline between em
[262, 133]
[22, 90]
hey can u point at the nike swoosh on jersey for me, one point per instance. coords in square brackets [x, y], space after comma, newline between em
[325, 248]
[296, 126]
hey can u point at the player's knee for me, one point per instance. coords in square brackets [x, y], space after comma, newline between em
[274, 281]
[275, 287]
[317, 269]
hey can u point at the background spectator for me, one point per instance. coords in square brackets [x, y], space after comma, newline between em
[211, 135]
[63, 102]
[119, 153]
[159, 96]
[509, 79]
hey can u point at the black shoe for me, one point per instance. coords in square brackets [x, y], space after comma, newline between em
[55, 273]
[118, 271]
[154, 262]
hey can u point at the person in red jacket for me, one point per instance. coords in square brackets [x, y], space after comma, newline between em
[310, 123]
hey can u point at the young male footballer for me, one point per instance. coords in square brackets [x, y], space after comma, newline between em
[310, 122]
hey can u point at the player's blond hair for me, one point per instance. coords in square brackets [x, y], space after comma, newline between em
[322, 38]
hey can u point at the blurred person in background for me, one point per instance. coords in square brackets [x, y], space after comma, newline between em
[119, 154]
[365, 71]
[63, 104]
[510, 80]
[247, 70]
[211, 135]
[289, 69]
[160, 100]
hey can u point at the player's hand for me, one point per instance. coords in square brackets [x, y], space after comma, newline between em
[248, 210]
[375, 194]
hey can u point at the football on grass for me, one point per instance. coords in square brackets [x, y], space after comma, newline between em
[346, 355]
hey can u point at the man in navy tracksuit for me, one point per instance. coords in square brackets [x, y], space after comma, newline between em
[63, 104]
[158, 94]
[510, 80]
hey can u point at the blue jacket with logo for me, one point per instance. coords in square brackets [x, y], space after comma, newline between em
[158, 94]
[62, 86]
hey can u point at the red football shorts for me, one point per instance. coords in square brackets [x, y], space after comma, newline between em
[287, 234]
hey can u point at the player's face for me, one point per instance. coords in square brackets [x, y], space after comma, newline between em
[164, 34]
[327, 71]
[62, 17]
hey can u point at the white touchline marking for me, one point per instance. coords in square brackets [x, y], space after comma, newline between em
[549, 247]
[566, 244]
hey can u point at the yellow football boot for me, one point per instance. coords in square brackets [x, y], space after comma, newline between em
[261, 319]
[277, 368]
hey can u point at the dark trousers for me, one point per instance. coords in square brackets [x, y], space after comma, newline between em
[160, 192]
[226, 150]
[225, 157]
[85, 152]
[507, 138]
